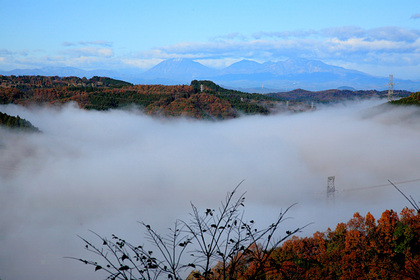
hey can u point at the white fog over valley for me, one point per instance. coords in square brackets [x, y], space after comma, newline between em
[105, 171]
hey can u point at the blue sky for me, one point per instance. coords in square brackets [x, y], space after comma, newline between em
[376, 37]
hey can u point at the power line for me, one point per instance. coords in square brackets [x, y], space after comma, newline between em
[379, 186]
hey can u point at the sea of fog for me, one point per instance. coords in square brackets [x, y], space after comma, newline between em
[105, 171]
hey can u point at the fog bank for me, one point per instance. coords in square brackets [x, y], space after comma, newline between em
[104, 171]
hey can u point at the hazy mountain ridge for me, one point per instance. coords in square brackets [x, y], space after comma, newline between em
[281, 76]
[285, 75]
[178, 69]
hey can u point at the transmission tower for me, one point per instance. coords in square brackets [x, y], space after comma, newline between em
[391, 88]
[330, 187]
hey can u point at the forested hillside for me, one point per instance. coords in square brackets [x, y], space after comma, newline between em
[413, 99]
[201, 100]
[334, 95]
[16, 123]
[30, 82]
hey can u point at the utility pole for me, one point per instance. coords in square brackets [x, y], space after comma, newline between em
[391, 88]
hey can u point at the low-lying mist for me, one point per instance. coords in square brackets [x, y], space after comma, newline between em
[104, 171]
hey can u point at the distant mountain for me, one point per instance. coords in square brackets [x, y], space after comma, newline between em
[287, 67]
[346, 88]
[295, 73]
[178, 71]
[285, 75]
[280, 76]
[63, 72]
[242, 67]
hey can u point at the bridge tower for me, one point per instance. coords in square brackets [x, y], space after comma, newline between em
[331, 187]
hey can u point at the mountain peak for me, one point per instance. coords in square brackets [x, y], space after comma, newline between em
[178, 69]
[179, 60]
[244, 66]
[246, 61]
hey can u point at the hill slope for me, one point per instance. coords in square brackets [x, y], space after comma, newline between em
[16, 123]
[202, 100]
[333, 95]
[413, 99]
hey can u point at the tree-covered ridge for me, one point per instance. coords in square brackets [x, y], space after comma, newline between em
[16, 122]
[333, 95]
[30, 82]
[413, 99]
[214, 102]
[248, 103]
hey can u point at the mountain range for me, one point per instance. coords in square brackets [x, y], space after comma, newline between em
[246, 75]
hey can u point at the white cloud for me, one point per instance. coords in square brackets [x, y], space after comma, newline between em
[265, 49]
[285, 34]
[142, 63]
[90, 51]
[343, 32]
[218, 63]
[102, 43]
[98, 43]
[364, 48]
[230, 36]
[390, 33]
[69, 44]
[107, 52]
[358, 44]
[353, 44]
[393, 34]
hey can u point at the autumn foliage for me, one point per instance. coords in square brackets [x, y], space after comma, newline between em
[100, 93]
[413, 99]
[362, 248]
